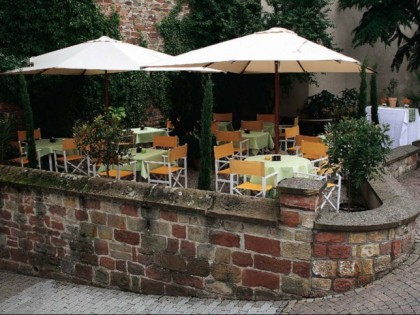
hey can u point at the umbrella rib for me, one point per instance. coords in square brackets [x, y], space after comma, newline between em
[300, 65]
[84, 71]
[246, 66]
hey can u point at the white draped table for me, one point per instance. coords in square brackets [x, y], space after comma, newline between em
[401, 130]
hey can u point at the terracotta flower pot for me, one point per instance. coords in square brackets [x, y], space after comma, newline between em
[392, 101]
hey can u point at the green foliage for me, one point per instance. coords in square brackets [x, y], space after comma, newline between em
[391, 88]
[374, 100]
[204, 176]
[414, 95]
[357, 149]
[100, 137]
[388, 21]
[362, 97]
[327, 105]
[29, 122]
[6, 123]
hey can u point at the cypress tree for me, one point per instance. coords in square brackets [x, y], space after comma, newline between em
[204, 176]
[29, 122]
[374, 98]
[362, 99]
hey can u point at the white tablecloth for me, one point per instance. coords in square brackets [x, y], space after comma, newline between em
[401, 131]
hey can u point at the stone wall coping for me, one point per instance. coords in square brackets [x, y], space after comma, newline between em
[400, 153]
[210, 203]
[301, 186]
[398, 206]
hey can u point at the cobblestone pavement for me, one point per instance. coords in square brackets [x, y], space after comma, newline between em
[396, 293]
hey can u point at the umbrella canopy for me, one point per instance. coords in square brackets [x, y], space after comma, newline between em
[99, 56]
[273, 51]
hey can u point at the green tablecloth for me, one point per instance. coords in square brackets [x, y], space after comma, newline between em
[146, 135]
[285, 168]
[258, 140]
[145, 155]
[224, 126]
[46, 147]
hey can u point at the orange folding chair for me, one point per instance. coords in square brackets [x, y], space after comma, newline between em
[240, 145]
[222, 155]
[252, 125]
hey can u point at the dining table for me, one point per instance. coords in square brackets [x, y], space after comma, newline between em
[46, 147]
[258, 141]
[146, 134]
[286, 167]
[404, 123]
[224, 126]
[146, 154]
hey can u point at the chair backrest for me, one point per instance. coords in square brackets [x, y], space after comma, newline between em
[69, 144]
[291, 132]
[22, 134]
[222, 116]
[177, 153]
[313, 150]
[169, 124]
[296, 121]
[227, 136]
[266, 117]
[18, 146]
[223, 150]
[165, 141]
[299, 139]
[253, 168]
[252, 125]
[214, 127]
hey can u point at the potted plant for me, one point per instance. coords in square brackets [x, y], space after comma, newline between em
[391, 92]
[356, 150]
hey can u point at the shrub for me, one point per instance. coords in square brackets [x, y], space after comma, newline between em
[357, 150]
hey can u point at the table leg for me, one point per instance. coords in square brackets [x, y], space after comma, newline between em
[50, 161]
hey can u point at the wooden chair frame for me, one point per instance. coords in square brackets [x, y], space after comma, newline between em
[73, 161]
[22, 159]
[22, 134]
[313, 150]
[240, 145]
[289, 137]
[170, 172]
[266, 118]
[222, 155]
[243, 169]
[252, 125]
[165, 142]
[298, 143]
[222, 116]
[120, 173]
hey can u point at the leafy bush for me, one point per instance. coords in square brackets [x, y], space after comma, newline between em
[357, 150]
[6, 124]
[327, 105]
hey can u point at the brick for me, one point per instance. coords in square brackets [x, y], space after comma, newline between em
[357, 238]
[255, 278]
[369, 250]
[242, 259]
[188, 248]
[296, 250]
[348, 268]
[83, 272]
[226, 273]
[179, 231]
[135, 269]
[101, 247]
[302, 269]
[320, 251]
[367, 266]
[342, 285]
[173, 245]
[309, 203]
[57, 225]
[98, 217]
[156, 273]
[339, 251]
[18, 255]
[385, 248]
[129, 210]
[121, 265]
[324, 268]
[396, 248]
[105, 233]
[6, 215]
[81, 215]
[329, 237]
[198, 234]
[272, 264]
[152, 287]
[321, 284]
[168, 216]
[187, 280]
[145, 260]
[377, 236]
[198, 267]
[107, 262]
[120, 280]
[128, 237]
[224, 239]
[57, 210]
[262, 245]
[289, 218]
[294, 285]
[172, 262]
[222, 255]
[58, 242]
[116, 221]
[92, 204]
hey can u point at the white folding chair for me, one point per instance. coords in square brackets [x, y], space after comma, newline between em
[222, 155]
[240, 145]
[69, 157]
[169, 172]
[244, 170]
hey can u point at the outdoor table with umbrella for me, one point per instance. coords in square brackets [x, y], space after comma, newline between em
[273, 51]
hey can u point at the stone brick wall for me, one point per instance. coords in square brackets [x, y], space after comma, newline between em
[157, 240]
[138, 18]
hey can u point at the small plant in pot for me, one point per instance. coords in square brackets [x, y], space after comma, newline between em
[391, 92]
[356, 150]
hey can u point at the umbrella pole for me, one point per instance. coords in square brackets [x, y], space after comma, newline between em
[106, 92]
[276, 104]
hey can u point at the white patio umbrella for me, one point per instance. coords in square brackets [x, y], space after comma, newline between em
[273, 51]
[100, 56]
